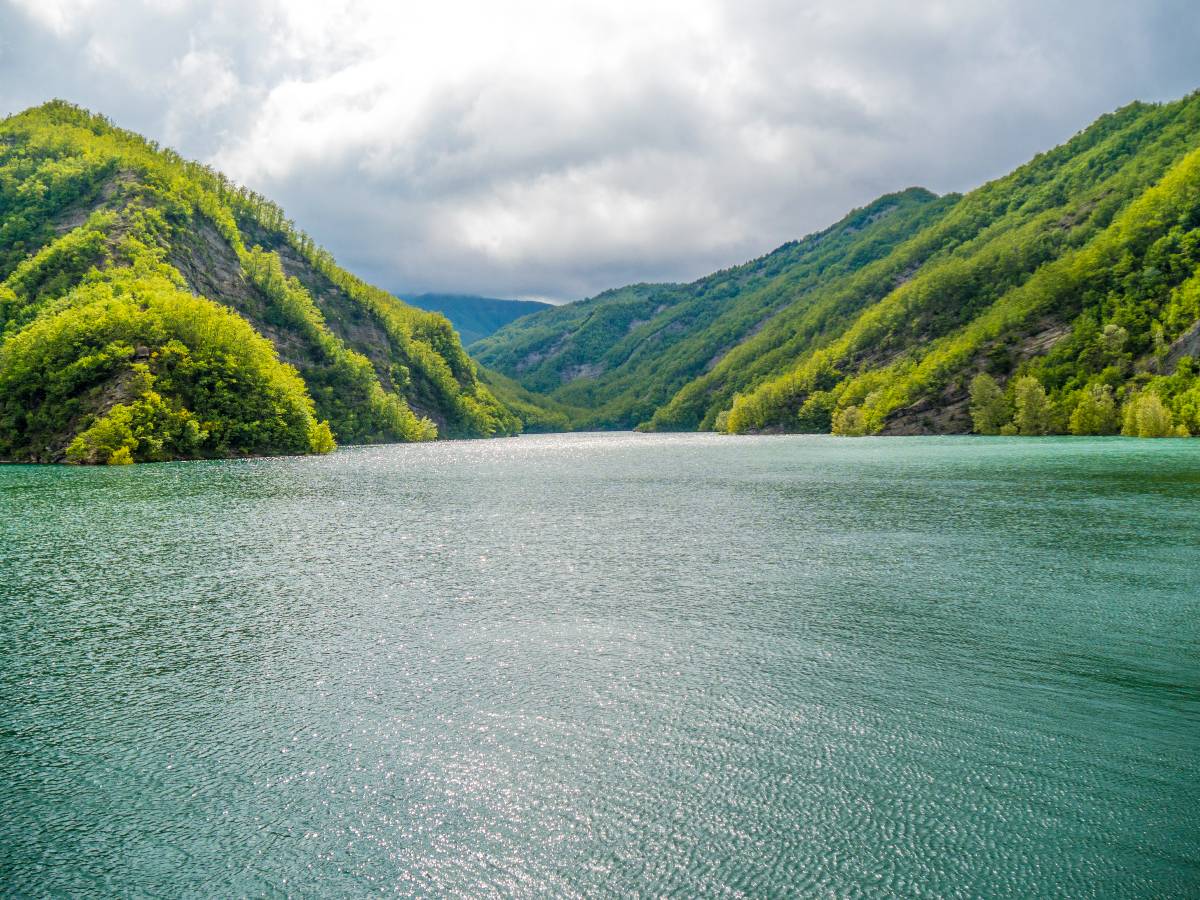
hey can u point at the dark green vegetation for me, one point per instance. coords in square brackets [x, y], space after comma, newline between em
[475, 317]
[536, 412]
[1073, 283]
[150, 309]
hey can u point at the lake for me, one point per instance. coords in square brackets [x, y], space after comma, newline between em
[600, 665]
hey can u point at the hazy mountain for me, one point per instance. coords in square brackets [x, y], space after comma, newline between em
[475, 317]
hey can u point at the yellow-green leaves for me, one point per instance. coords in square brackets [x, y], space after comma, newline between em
[990, 410]
[1033, 415]
[103, 239]
[1146, 416]
[1096, 412]
[174, 375]
[851, 422]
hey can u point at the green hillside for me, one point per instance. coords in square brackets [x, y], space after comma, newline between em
[1072, 282]
[150, 310]
[474, 317]
[625, 353]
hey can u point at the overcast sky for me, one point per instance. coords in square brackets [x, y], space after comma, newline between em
[554, 149]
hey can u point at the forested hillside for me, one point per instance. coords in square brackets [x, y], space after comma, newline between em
[618, 357]
[1072, 286]
[474, 317]
[150, 309]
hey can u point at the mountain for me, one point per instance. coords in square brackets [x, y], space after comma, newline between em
[620, 356]
[475, 317]
[150, 309]
[1076, 276]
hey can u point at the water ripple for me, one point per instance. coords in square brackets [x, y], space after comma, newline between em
[607, 665]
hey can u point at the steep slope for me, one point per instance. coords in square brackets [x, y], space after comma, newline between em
[537, 412]
[474, 317]
[1078, 270]
[150, 309]
[625, 353]
[1023, 279]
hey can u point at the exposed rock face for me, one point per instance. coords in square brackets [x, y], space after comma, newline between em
[1187, 344]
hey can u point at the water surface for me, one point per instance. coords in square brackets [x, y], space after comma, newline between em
[596, 665]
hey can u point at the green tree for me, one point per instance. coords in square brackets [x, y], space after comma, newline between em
[1159, 344]
[1096, 412]
[1033, 415]
[989, 410]
[109, 441]
[816, 414]
[1113, 338]
[1145, 416]
[851, 422]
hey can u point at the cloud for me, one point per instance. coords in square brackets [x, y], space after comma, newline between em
[543, 148]
[59, 16]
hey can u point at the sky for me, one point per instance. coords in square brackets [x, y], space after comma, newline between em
[554, 149]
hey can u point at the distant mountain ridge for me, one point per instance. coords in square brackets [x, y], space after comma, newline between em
[475, 317]
[1072, 285]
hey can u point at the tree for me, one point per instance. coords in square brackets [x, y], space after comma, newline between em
[850, 422]
[989, 410]
[816, 415]
[1145, 416]
[1096, 412]
[1033, 410]
[1113, 338]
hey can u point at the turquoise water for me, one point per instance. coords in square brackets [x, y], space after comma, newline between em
[600, 665]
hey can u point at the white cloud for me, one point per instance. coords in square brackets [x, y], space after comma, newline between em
[60, 16]
[203, 81]
[543, 147]
[201, 86]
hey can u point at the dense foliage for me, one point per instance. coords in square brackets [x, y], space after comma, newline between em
[536, 412]
[132, 368]
[150, 309]
[1073, 284]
